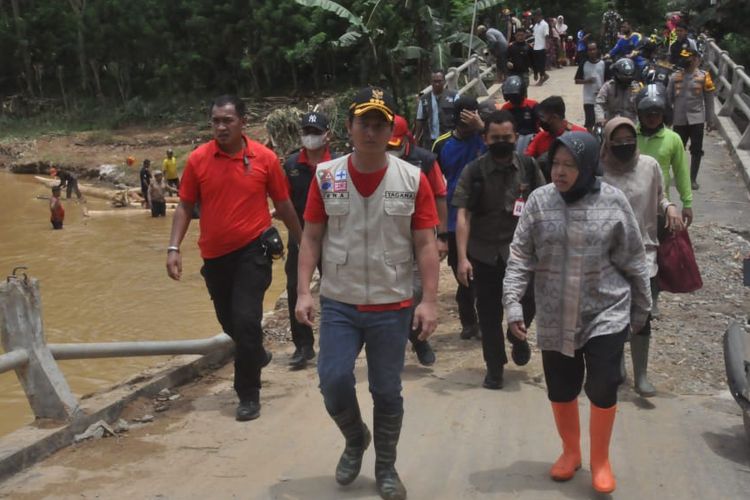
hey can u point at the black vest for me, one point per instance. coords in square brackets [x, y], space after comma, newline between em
[300, 176]
[420, 157]
[445, 110]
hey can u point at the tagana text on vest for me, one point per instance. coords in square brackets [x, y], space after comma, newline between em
[367, 246]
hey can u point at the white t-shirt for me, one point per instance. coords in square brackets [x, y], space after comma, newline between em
[541, 32]
[595, 71]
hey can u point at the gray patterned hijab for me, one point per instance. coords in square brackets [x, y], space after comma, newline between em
[585, 150]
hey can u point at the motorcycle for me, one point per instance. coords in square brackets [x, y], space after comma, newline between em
[737, 359]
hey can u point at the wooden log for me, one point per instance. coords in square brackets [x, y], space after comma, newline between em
[86, 189]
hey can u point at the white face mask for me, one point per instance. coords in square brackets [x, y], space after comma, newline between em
[398, 153]
[312, 141]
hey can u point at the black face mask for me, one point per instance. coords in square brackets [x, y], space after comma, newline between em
[623, 152]
[516, 100]
[545, 126]
[502, 149]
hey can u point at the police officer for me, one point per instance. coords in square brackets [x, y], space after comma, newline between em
[300, 171]
[691, 93]
[617, 96]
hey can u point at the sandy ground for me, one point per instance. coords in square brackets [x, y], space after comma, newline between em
[459, 440]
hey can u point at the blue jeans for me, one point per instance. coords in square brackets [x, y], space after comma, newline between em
[343, 332]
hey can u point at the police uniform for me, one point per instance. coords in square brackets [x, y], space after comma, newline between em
[692, 100]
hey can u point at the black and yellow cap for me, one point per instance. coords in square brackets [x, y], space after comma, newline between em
[373, 98]
[687, 52]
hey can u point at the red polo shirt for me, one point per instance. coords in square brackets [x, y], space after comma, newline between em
[233, 198]
[543, 140]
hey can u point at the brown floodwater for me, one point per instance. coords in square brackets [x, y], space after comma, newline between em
[102, 278]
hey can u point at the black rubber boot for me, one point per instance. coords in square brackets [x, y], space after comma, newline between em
[639, 345]
[357, 440]
[387, 430]
[695, 165]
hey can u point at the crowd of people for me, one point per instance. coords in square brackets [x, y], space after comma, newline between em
[542, 221]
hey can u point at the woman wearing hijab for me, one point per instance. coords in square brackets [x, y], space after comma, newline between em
[639, 177]
[580, 240]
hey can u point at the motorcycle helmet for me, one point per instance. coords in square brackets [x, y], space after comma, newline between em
[514, 89]
[651, 98]
[623, 71]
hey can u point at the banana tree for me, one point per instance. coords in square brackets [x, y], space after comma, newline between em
[359, 28]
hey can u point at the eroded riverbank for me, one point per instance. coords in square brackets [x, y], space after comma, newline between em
[102, 279]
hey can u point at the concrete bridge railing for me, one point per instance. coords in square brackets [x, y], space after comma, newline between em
[733, 106]
[33, 359]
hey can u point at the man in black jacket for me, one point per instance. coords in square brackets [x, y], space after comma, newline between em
[300, 171]
[402, 145]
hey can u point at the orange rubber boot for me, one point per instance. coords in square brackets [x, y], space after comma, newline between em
[568, 426]
[602, 420]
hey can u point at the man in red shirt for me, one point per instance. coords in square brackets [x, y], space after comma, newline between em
[551, 113]
[402, 145]
[232, 178]
[368, 213]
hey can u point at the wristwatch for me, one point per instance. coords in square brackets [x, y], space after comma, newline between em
[173, 249]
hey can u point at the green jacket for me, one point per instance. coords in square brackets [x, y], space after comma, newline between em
[666, 146]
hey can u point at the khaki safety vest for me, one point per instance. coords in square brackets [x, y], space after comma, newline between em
[367, 245]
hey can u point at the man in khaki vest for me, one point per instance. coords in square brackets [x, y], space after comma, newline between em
[366, 213]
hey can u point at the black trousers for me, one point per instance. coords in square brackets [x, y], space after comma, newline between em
[694, 134]
[158, 208]
[302, 335]
[588, 111]
[539, 58]
[464, 296]
[599, 360]
[175, 183]
[71, 188]
[237, 283]
[488, 287]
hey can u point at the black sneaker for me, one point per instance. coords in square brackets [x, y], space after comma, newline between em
[469, 331]
[520, 351]
[247, 410]
[493, 380]
[425, 354]
[695, 186]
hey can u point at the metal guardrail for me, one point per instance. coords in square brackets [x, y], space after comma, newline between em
[27, 352]
[732, 88]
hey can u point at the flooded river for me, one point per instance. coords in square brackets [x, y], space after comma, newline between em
[102, 278]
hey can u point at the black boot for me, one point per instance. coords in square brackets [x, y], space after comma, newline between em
[424, 351]
[301, 356]
[387, 430]
[695, 165]
[357, 440]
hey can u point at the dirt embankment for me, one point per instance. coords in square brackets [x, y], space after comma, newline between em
[101, 156]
